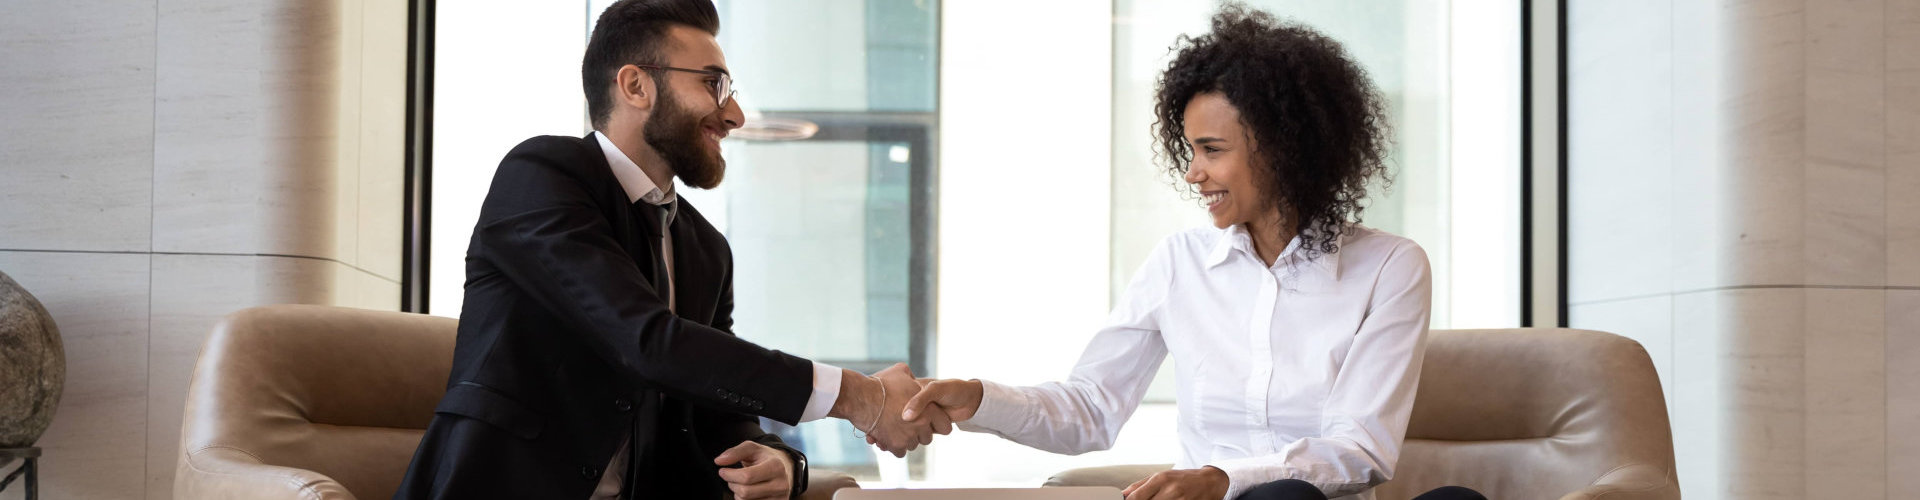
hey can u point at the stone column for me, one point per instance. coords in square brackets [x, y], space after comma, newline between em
[1741, 186]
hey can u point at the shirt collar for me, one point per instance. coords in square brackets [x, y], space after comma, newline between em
[633, 180]
[1235, 238]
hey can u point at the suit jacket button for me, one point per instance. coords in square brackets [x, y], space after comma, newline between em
[722, 393]
[756, 405]
[588, 472]
[623, 405]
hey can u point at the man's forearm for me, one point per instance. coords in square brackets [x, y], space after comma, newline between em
[859, 400]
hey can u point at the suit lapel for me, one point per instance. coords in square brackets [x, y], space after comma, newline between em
[690, 271]
[638, 235]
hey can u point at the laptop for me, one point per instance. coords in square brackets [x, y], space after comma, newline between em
[1074, 493]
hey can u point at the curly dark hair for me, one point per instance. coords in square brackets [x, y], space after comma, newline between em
[1320, 128]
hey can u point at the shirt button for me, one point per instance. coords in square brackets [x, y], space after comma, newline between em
[588, 472]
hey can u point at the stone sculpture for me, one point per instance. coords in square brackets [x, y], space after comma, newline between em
[33, 366]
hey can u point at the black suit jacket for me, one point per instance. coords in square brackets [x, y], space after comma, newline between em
[565, 345]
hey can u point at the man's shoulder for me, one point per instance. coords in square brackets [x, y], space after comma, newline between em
[547, 170]
[557, 150]
[546, 159]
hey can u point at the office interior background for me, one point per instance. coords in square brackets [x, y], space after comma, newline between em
[1731, 183]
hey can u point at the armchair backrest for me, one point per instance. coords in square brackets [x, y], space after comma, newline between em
[1537, 413]
[294, 401]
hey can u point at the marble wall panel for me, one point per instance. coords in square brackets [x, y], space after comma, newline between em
[1846, 399]
[299, 129]
[1903, 396]
[1763, 359]
[1846, 143]
[1698, 102]
[1903, 142]
[209, 163]
[345, 141]
[76, 147]
[1762, 137]
[100, 303]
[1699, 392]
[1620, 72]
[1846, 225]
[248, 107]
[382, 141]
[356, 287]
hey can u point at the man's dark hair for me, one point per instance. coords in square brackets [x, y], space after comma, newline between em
[634, 32]
[1320, 127]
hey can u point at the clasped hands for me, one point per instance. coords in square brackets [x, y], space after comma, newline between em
[899, 413]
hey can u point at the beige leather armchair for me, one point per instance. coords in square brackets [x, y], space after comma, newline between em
[1519, 414]
[310, 402]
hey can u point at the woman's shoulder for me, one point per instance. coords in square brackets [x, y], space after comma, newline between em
[1193, 242]
[1371, 244]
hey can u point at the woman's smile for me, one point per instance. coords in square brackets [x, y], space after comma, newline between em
[1213, 200]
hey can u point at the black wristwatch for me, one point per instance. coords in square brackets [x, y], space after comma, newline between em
[799, 473]
[799, 470]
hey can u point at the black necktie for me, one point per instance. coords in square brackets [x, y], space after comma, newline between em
[659, 218]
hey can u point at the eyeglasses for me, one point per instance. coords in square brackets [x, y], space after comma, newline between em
[721, 85]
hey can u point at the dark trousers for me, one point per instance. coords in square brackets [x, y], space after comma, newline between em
[1295, 489]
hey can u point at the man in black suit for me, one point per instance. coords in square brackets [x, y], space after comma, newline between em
[595, 357]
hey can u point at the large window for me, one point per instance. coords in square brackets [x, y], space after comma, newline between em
[832, 233]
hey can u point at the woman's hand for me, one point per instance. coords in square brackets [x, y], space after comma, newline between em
[957, 399]
[1205, 483]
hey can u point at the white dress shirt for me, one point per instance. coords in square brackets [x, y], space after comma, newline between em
[1302, 370]
[639, 187]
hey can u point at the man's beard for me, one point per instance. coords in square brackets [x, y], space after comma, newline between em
[675, 133]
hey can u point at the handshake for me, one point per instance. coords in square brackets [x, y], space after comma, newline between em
[898, 412]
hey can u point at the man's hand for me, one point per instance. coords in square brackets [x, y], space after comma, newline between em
[874, 404]
[1205, 483]
[957, 401]
[764, 472]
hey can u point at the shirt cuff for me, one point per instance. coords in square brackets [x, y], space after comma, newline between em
[1002, 409]
[1246, 473]
[826, 390]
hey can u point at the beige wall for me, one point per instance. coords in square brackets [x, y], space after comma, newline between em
[1744, 195]
[165, 162]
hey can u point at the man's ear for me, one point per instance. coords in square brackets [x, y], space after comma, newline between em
[634, 87]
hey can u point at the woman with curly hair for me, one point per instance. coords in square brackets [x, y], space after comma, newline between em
[1297, 333]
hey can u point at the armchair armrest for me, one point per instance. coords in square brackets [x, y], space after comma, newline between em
[1116, 476]
[1630, 482]
[222, 473]
[822, 483]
